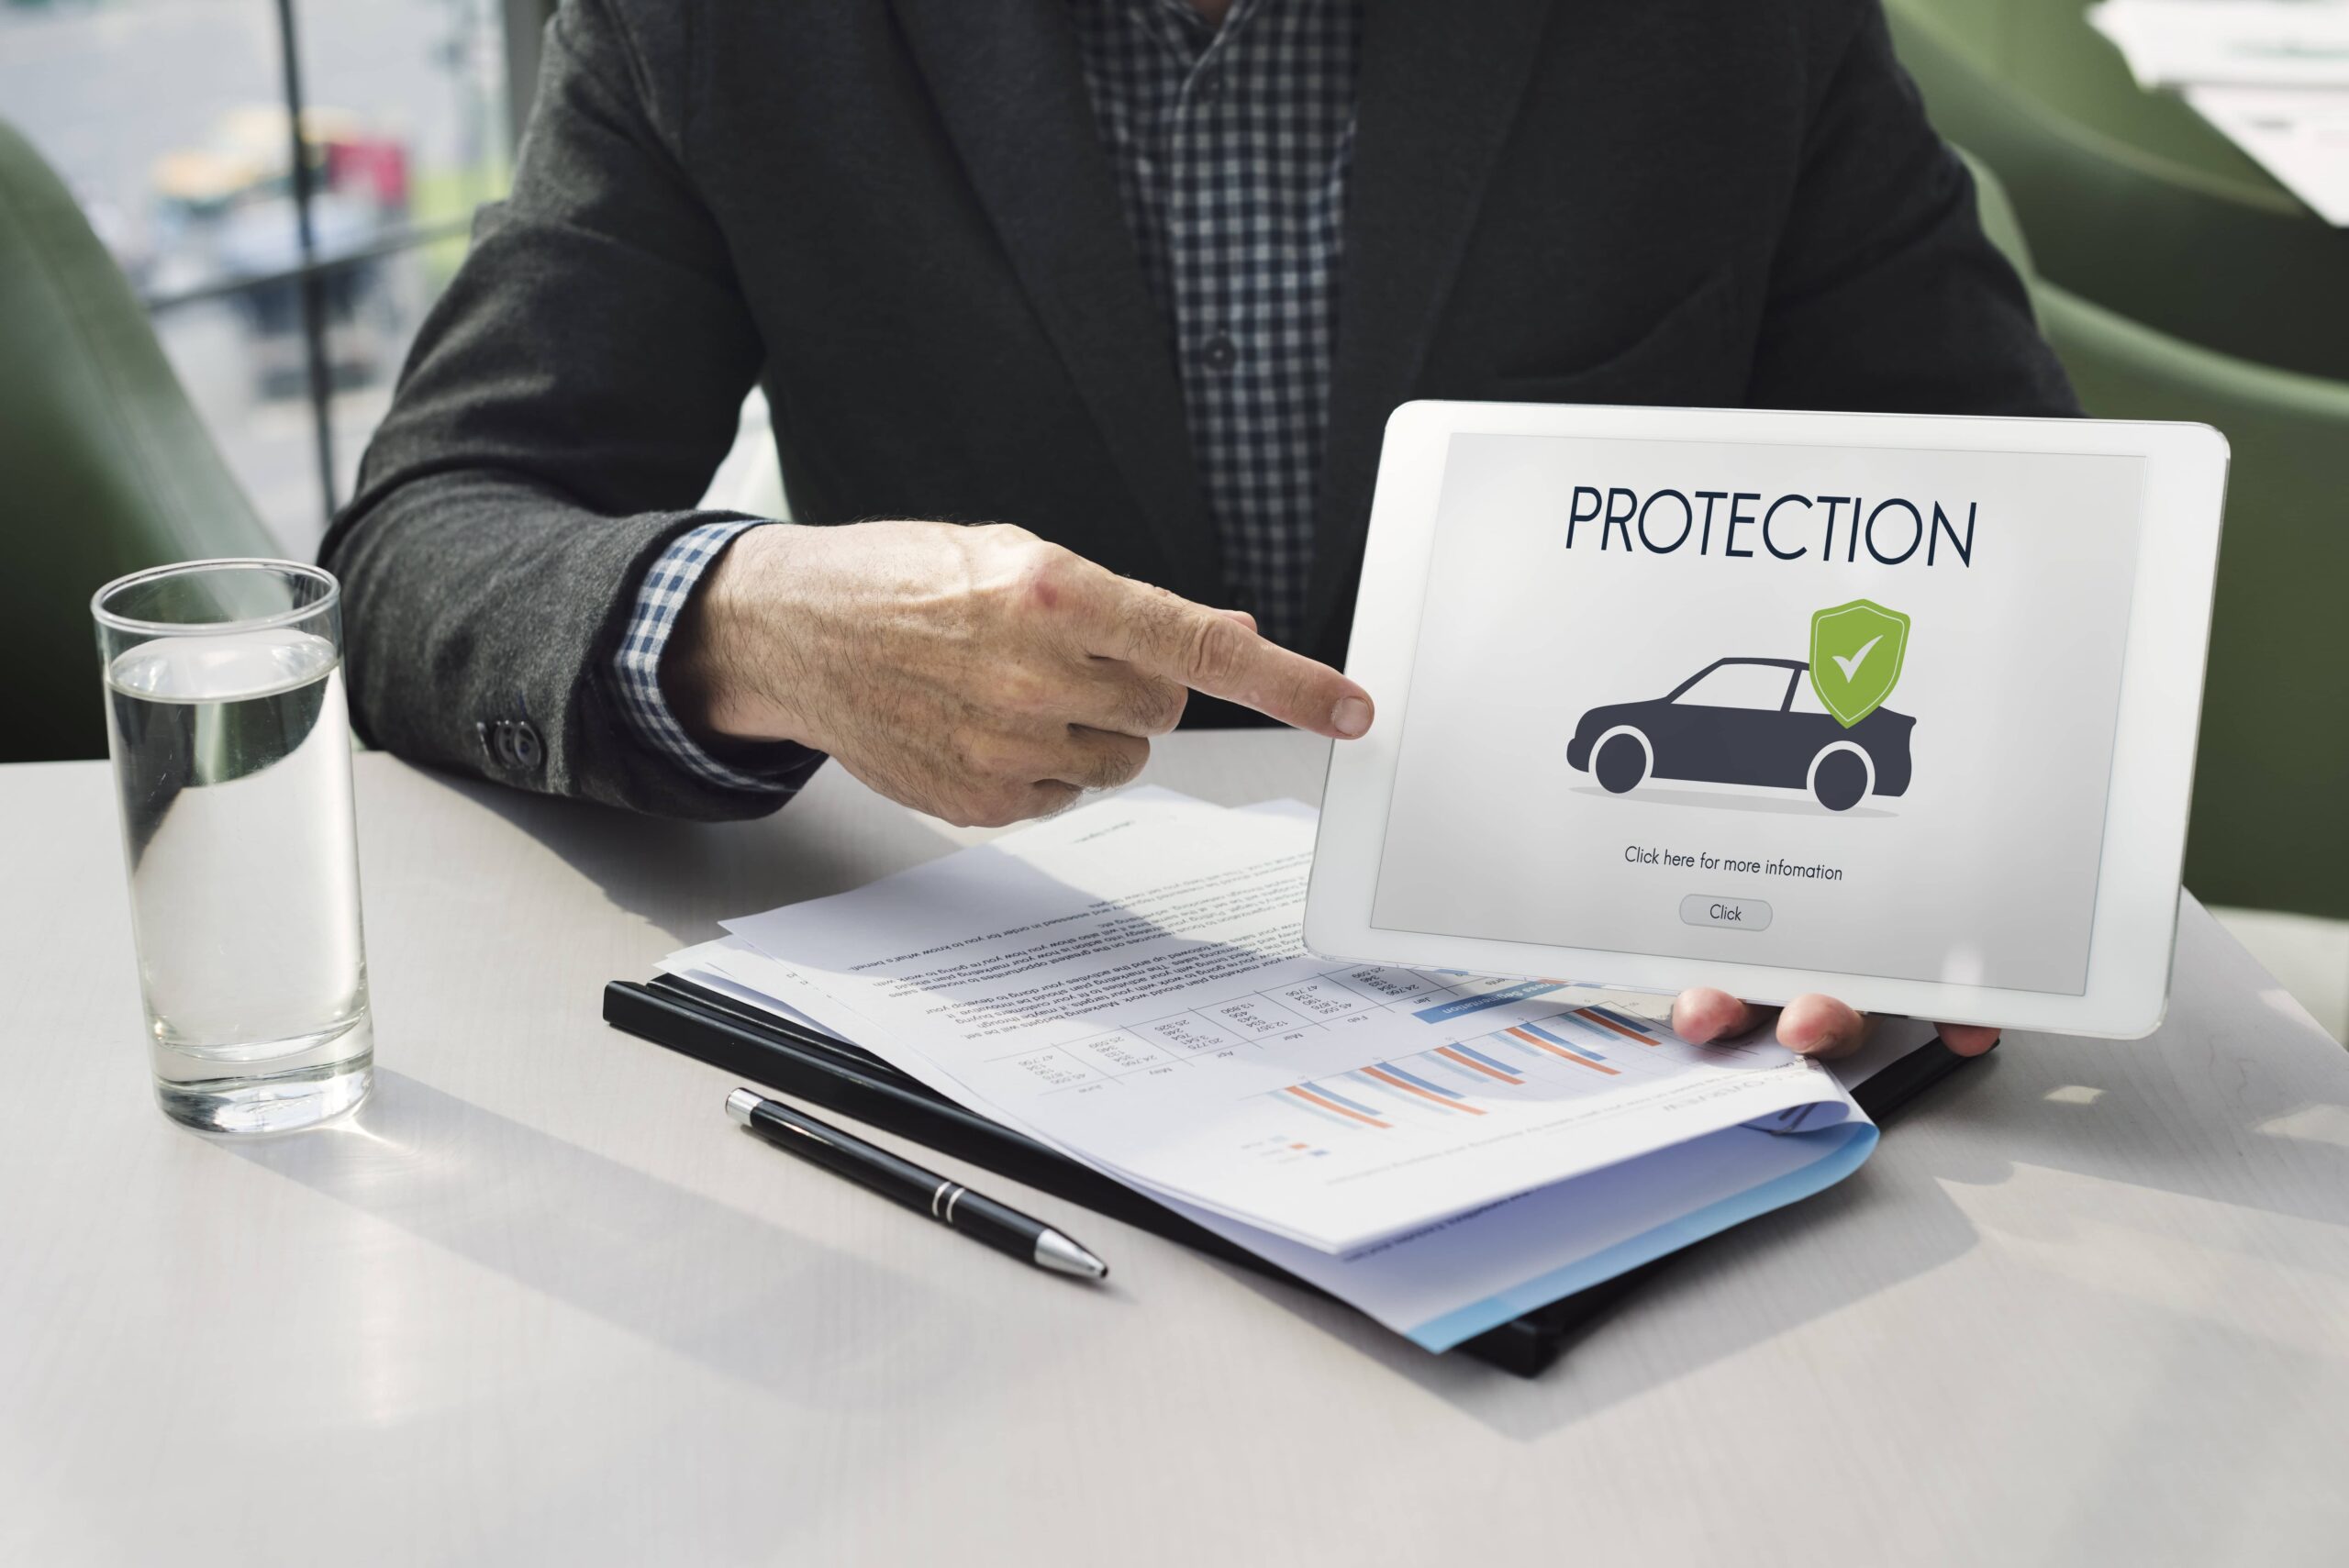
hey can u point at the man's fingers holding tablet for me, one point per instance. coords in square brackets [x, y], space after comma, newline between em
[1704, 1014]
[1813, 1024]
[1969, 1040]
[1819, 1026]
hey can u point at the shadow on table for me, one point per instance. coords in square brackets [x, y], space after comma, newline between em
[685, 876]
[747, 1300]
[2239, 1099]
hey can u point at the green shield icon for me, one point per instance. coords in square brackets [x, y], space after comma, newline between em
[1855, 654]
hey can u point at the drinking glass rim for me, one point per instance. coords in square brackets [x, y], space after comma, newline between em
[109, 619]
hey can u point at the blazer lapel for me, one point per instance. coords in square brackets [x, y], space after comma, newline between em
[1007, 82]
[1440, 84]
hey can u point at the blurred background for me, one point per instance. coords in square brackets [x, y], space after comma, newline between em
[221, 222]
[169, 121]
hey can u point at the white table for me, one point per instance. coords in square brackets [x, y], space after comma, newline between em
[542, 1302]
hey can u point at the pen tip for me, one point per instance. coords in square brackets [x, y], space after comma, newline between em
[1062, 1256]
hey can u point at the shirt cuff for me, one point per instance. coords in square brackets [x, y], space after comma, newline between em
[668, 586]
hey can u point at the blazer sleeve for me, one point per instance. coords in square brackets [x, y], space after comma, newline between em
[566, 402]
[1885, 296]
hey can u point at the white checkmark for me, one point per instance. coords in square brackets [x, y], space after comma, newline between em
[1851, 666]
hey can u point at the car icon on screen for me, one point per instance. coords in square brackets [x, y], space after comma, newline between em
[1735, 722]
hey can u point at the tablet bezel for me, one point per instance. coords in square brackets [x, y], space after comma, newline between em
[2134, 933]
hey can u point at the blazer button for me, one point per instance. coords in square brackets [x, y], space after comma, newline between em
[527, 750]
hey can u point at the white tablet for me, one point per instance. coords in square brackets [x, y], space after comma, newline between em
[1894, 708]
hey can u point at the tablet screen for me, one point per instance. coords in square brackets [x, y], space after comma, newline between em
[1836, 708]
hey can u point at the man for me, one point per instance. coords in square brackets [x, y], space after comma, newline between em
[1141, 277]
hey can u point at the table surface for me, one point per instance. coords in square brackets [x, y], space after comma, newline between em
[539, 1301]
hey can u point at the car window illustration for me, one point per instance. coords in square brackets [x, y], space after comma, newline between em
[1737, 720]
[1738, 682]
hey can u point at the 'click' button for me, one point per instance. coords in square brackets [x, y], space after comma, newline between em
[1729, 914]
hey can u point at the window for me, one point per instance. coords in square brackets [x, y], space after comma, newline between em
[284, 295]
[1741, 685]
[1806, 696]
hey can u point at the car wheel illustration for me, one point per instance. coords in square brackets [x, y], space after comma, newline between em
[1621, 760]
[1841, 776]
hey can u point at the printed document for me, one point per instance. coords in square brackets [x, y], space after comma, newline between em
[1127, 983]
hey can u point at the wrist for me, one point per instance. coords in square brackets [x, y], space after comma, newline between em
[728, 673]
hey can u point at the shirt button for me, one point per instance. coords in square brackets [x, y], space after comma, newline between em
[1219, 352]
[1209, 85]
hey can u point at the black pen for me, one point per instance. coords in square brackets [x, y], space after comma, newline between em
[908, 1186]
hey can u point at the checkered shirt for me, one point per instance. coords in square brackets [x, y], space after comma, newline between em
[1230, 149]
[662, 596]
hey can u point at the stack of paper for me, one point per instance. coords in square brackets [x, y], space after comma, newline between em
[2273, 75]
[1126, 984]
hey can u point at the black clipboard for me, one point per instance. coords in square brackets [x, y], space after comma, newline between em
[760, 1048]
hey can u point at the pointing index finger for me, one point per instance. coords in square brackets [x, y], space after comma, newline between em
[1209, 651]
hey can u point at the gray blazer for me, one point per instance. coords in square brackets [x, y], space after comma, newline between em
[895, 215]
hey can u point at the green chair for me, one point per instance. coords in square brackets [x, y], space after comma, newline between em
[2214, 261]
[104, 466]
[2048, 50]
[2271, 780]
[2271, 786]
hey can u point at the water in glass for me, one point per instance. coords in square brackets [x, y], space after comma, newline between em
[232, 753]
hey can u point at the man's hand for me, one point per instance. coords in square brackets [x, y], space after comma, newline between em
[977, 674]
[1813, 1024]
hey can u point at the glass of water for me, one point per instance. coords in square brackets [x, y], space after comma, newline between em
[231, 743]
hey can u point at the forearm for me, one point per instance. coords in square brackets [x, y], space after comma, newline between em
[665, 686]
[568, 396]
[475, 598]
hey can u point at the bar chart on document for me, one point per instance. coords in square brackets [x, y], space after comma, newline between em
[1357, 1073]
[1458, 1080]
